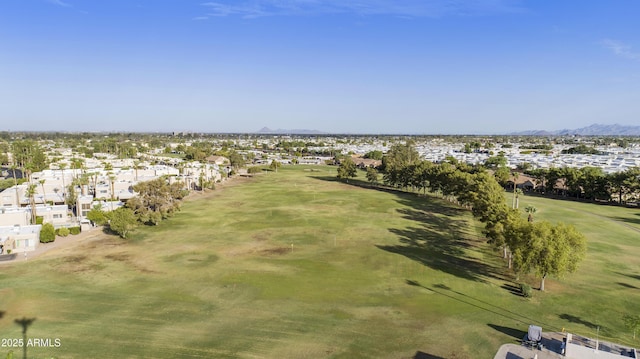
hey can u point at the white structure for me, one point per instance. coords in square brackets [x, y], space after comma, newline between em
[578, 347]
[18, 239]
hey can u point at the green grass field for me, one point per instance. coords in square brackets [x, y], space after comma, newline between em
[297, 265]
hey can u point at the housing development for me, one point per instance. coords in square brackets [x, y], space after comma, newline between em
[57, 186]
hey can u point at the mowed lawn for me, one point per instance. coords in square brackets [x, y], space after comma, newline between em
[295, 264]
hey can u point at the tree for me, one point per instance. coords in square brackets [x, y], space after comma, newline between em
[502, 175]
[136, 167]
[399, 157]
[372, 175]
[530, 209]
[515, 175]
[632, 321]
[47, 233]
[593, 182]
[62, 167]
[44, 195]
[112, 180]
[236, 159]
[347, 169]
[274, 165]
[495, 162]
[540, 176]
[71, 196]
[156, 200]
[15, 181]
[122, 221]
[547, 249]
[375, 155]
[97, 215]
[31, 193]
[518, 193]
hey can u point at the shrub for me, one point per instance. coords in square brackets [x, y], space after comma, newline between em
[74, 230]
[97, 216]
[39, 219]
[254, 169]
[63, 232]
[47, 233]
[525, 289]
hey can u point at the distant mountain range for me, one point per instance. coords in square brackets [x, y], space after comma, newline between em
[280, 131]
[593, 130]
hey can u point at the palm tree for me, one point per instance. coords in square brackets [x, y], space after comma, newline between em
[531, 210]
[518, 194]
[76, 164]
[15, 182]
[136, 166]
[31, 192]
[44, 195]
[515, 180]
[64, 186]
[112, 179]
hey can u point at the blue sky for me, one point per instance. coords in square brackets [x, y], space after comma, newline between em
[366, 66]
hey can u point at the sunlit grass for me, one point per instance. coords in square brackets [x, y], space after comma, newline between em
[296, 264]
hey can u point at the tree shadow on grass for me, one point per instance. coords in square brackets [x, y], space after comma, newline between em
[421, 355]
[631, 223]
[573, 319]
[634, 276]
[626, 285]
[438, 239]
[363, 184]
[512, 332]
[438, 255]
[515, 290]
[445, 291]
[440, 242]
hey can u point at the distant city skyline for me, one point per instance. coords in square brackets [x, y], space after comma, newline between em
[371, 66]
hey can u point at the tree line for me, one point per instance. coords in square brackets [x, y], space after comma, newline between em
[539, 247]
[156, 201]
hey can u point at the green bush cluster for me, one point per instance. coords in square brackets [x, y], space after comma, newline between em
[525, 289]
[47, 233]
[63, 232]
[74, 230]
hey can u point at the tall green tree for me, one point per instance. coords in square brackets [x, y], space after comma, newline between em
[398, 158]
[97, 215]
[122, 221]
[31, 193]
[274, 165]
[347, 169]
[547, 249]
[156, 200]
[372, 175]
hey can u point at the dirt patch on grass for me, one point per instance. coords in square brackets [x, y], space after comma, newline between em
[119, 257]
[275, 251]
[75, 259]
[260, 237]
[192, 259]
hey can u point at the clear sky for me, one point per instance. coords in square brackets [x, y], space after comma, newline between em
[365, 66]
